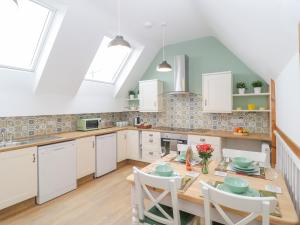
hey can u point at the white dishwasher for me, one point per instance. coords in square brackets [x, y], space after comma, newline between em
[56, 170]
[106, 154]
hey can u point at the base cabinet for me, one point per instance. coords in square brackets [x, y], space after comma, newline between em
[18, 176]
[121, 145]
[151, 146]
[128, 146]
[215, 142]
[86, 153]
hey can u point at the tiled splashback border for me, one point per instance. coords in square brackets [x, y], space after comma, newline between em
[181, 111]
[21, 127]
[185, 111]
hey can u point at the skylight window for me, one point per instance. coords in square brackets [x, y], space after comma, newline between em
[23, 30]
[108, 62]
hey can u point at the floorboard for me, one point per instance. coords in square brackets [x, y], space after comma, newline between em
[103, 201]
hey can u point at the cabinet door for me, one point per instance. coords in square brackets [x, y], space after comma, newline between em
[217, 92]
[85, 156]
[121, 145]
[150, 96]
[18, 176]
[215, 142]
[133, 145]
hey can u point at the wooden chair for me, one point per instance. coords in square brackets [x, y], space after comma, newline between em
[254, 206]
[157, 213]
[255, 156]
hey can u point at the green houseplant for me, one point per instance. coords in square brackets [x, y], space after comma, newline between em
[241, 86]
[131, 94]
[257, 86]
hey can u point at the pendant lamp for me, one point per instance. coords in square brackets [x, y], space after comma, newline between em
[164, 66]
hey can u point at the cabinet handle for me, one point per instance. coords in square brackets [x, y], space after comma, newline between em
[150, 140]
[151, 135]
[93, 144]
[33, 158]
[202, 139]
[150, 153]
[205, 102]
[125, 136]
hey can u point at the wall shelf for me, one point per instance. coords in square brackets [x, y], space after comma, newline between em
[251, 94]
[246, 110]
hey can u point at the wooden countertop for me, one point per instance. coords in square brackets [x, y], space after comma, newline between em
[193, 193]
[80, 134]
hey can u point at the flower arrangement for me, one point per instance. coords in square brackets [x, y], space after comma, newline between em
[205, 152]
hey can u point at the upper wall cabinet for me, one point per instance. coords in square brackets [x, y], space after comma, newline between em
[217, 92]
[151, 95]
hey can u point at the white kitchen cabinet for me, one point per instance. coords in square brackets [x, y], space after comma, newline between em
[133, 145]
[151, 146]
[18, 176]
[121, 145]
[128, 145]
[86, 154]
[217, 92]
[150, 94]
[215, 142]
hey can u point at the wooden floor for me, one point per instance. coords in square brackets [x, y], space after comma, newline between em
[103, 201]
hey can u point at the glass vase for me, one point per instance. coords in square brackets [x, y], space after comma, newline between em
[205, 166]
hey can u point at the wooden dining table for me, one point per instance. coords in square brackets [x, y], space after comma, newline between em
[191, 199]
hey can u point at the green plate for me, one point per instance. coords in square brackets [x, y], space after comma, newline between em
[249, 193]
[249, 168]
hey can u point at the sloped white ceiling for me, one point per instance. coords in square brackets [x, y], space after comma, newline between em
[85, 24]
[259, 32]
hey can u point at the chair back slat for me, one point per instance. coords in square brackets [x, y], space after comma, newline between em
[260, 157]
[169, 186]
[255, 206]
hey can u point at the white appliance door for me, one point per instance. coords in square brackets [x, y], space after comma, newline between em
[56, 170]
[106, 154]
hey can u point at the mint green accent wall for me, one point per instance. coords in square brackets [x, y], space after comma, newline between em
[206, 55]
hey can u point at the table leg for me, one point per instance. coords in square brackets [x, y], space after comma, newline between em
[135, 218]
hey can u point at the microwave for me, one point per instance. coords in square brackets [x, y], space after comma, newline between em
[89, 124]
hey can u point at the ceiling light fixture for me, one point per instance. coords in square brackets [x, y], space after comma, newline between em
[119, 40]
[164, 66]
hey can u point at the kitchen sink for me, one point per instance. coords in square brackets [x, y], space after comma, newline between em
[31, 140]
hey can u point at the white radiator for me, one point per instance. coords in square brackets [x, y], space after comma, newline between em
[289, 164]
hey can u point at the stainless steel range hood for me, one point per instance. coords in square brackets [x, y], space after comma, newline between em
[181, 81]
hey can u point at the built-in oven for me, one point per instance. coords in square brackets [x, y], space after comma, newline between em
[169, 142]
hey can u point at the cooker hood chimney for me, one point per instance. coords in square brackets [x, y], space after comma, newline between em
[181, 81]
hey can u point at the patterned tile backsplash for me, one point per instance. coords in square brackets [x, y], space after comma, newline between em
[22, 127]
[184, 111]
[181, 111]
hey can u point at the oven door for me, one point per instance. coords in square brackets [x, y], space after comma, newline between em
[170, 145]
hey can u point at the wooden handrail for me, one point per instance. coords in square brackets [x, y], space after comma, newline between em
[293, 146]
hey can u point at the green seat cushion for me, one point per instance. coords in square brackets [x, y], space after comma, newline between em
[185, 218]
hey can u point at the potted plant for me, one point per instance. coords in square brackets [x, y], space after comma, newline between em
[241, 86]
[131, 94]
[205, 152]
[257, 86]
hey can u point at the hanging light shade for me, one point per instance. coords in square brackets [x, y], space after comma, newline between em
[16, 1]
[164, 66]
[119, 40]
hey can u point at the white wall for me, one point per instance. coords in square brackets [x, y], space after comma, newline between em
[288, 99]
[17, 97]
